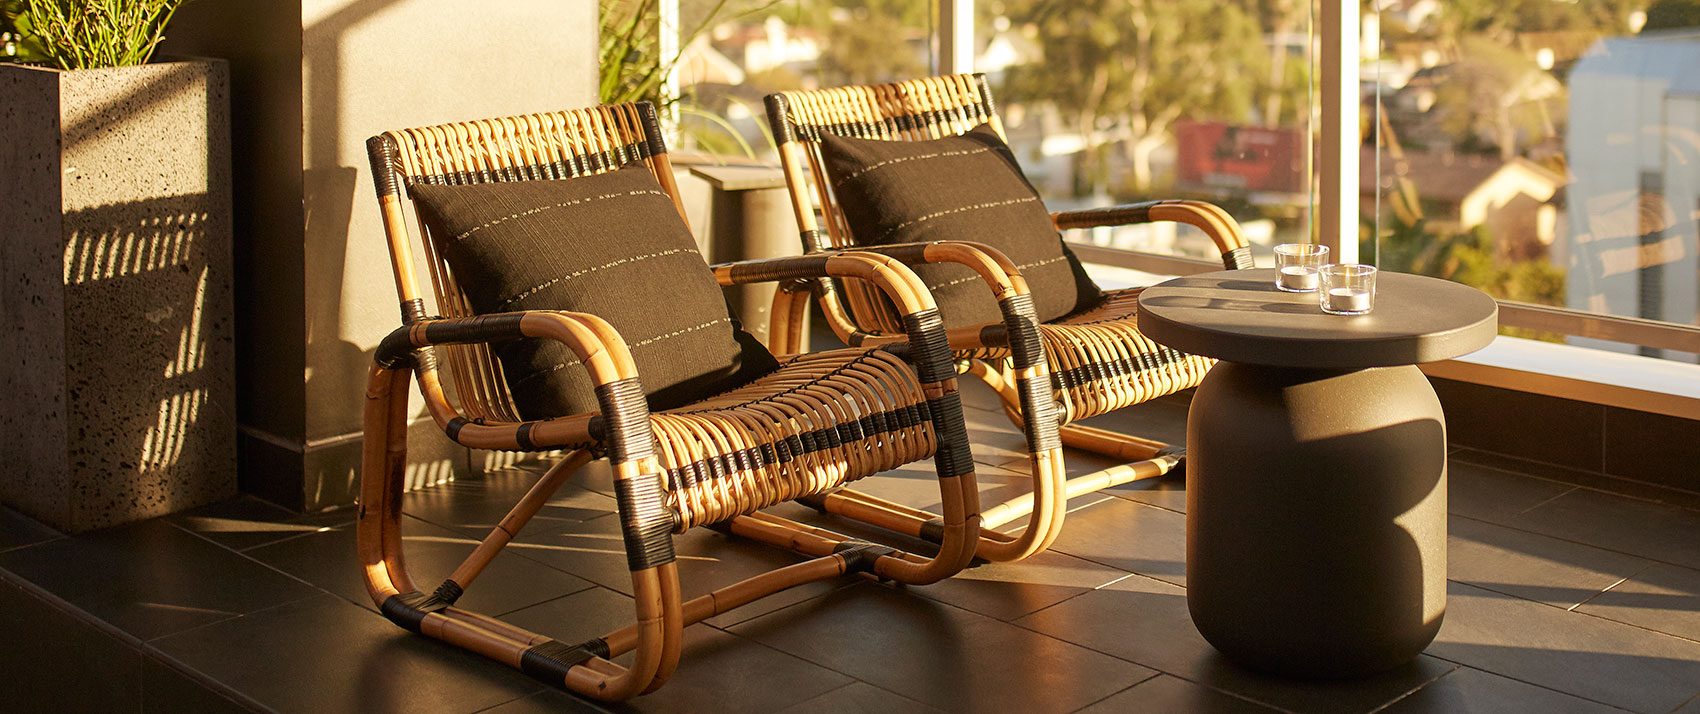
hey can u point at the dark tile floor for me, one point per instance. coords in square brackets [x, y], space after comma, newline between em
[1569, 592]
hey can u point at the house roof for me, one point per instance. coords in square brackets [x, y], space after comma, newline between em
[1440, 176]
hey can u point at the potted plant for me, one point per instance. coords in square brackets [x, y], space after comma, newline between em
[115, 239]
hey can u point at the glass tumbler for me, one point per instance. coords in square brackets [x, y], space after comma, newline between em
[1348, 288]
[1296, 265]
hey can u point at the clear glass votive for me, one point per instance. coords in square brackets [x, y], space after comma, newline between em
[1296, 265]
[1348, 288]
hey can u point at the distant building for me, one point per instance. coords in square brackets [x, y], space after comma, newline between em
[1634, 147]
[1513, 199]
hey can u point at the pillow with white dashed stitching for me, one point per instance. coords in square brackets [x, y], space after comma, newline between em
[609, 244]
[968, 188]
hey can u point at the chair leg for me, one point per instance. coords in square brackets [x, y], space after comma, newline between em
[1045, 506]
[582, 668]
[1148, 459]
[656, 636]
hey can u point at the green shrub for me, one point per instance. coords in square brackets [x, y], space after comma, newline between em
[87, 34]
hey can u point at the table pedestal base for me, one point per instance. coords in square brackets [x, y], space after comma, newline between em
[1316, 517]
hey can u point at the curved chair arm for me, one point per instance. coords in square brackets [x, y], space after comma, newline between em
[588, 336]
[993, 267]
[1223, 230]
[928, 348]
[646, 522]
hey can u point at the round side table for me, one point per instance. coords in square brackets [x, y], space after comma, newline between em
[1316, 466]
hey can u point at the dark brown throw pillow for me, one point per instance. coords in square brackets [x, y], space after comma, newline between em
[966, 187]
[609, 244]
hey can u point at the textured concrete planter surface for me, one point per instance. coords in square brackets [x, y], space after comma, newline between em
[115, 243]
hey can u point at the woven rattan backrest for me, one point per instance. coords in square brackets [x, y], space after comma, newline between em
[533, 147]
[911, 110]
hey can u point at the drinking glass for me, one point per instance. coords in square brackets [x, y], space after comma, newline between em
[1296, 265]
[1348, 288]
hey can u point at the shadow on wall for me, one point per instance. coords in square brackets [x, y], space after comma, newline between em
[148, 278]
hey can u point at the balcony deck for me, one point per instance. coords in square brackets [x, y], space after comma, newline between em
[1569, 592]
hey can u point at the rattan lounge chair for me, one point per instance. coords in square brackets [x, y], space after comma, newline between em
[816, 423]
[1099, 361]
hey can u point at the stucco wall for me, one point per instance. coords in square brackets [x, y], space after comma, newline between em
[312, 79]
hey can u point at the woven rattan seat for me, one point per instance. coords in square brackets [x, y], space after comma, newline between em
[1098, 361]
[812, 426]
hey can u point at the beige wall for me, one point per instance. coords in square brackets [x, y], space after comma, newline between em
[313, 79]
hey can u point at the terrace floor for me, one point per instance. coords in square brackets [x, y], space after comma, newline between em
[1569, 592]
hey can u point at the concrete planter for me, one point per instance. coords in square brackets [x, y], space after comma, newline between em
[115, 252]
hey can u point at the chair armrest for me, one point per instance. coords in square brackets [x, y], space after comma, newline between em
[927, 347]
[1019, 331]
[1223, 230]
[622, 425]
[995, 269]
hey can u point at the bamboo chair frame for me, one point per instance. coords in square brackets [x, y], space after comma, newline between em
[1099, 360]
[819, 421]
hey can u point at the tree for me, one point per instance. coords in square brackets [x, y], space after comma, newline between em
[1288, 84]
[1133, 67]
[1412, 245]
[1494, 91]
[868, 41]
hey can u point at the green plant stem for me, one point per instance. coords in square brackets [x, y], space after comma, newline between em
[89, 34]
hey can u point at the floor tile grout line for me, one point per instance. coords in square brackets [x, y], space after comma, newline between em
[1519, 680]
[249, 558]
[54, 539]
[1641, 556]
[1602, 618]
[1560, 494]
[143, 648]
[1128, 496]
[1154, 674]
[1596, 489]
[1456, 666]
[943, 604]
[1691, 700]
[1608, 588]
[1236, 695]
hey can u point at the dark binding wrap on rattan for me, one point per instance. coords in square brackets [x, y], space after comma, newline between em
[1238, 258]
[381, 151]
[646, 523]
[929, 348]
[778, 118]
[549, 661]
[522, 436]
[495, 327]
[452, 429]
[413, 311]
[811, 241]
[985, 88]
[860, 555]
[409, 609]
[1108, 215]
[1021, 331]
[448, 592]
[775, 269]
[932, 530]
[396, 349]
[1039, 414]
[954, 456]
[651, 128]
[929, 351]
[625, 411]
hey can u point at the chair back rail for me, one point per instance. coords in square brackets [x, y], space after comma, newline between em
[553, 145]
[910, 110]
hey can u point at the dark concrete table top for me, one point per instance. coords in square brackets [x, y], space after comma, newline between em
[1239, 316]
